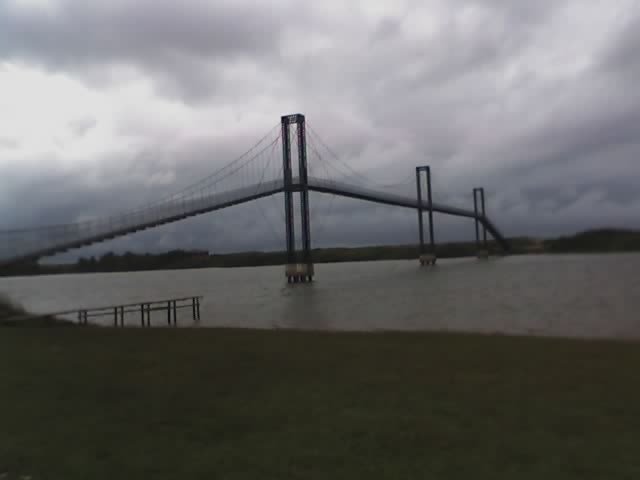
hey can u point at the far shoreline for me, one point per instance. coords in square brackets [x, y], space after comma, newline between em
[592, 242]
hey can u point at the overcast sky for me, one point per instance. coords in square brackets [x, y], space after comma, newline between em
[105, 105]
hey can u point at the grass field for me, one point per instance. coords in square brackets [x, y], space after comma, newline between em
[90, 403]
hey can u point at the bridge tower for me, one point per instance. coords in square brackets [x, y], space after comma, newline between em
[478, 201]
[427, 256]
[299, 267]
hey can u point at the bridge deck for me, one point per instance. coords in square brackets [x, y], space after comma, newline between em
[22, 245]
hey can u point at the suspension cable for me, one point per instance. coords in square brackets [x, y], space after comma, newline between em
[354, 172]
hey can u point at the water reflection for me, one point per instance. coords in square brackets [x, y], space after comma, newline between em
[305, 307]
[572, 295]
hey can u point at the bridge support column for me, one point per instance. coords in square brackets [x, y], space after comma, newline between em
[482, 249]
[299, 267]
[426, 256]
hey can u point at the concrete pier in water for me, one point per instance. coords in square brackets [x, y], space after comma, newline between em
[299, 272]
[427, 259]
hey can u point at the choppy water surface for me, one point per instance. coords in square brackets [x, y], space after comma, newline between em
[570, 295]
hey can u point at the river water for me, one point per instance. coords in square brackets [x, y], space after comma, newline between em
[567, 295]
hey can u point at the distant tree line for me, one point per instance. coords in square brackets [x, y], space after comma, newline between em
[111, 262]
[605, 240]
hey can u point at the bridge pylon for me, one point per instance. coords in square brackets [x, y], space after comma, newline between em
[427, 256]
[482, 247]
[299, 267]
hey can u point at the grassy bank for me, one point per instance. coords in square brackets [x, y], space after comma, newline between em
[8, 309]
[12, 315]
[167, 404]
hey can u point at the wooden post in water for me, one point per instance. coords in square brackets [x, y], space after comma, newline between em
[169, 313]
[175, 314]
[115, 317]
[122, 317]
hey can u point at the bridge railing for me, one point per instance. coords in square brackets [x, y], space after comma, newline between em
[29, 242]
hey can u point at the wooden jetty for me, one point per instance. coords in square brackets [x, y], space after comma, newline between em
[143, 310]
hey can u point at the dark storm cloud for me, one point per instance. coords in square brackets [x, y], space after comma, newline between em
[43, 193]
[496, 93]
[48, 196]
[79, 33]
[186, 46]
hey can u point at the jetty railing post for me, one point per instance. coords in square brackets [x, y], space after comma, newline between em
[198, 307]
[142, 314]
[122, 316]
[83, 317]
[175, 314]
[193, 308]
[169, 313]
[115, 317]
[148, 315]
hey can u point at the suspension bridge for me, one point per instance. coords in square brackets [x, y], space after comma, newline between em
[251, 176]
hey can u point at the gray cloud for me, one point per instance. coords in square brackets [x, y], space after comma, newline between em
[498, 94]
[142, 32]
[8, 143]
[187, 47]
[620, 56]
[83, 125]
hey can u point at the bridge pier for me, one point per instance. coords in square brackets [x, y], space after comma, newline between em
[299, 266]
[482, 249]
[426, 256]
[299, 273]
